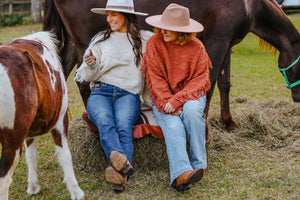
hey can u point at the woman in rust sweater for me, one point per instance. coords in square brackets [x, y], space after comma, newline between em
[176, 66]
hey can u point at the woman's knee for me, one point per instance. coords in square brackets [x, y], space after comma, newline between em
[194, 108]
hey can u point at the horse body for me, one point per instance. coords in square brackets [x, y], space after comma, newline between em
[225, 23]
[33, 101]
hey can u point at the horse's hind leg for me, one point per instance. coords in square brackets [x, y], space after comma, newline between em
[224, 88]
[8, 162]
[64, 157]
[31, 155]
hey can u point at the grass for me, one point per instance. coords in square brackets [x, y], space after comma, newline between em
[247, 170]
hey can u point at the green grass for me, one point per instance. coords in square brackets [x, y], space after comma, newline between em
[246, 174]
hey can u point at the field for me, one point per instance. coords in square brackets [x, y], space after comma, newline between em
[260, 160]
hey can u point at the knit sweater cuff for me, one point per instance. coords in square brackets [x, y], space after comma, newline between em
[175, 103]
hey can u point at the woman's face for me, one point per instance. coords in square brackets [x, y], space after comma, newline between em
[169, 36]
[116, 21]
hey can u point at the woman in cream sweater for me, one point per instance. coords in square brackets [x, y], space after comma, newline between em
[112, 65]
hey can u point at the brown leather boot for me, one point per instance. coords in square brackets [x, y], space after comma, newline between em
[113, 176]
[120, 163]
[187, 178]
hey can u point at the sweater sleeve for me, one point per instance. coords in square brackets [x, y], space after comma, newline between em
[86, 72]
[197, 84]
[155, 76]
[92, 73]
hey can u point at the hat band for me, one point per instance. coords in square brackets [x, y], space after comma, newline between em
[120, 7]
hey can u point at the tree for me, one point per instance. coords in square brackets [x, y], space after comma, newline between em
[36, 10]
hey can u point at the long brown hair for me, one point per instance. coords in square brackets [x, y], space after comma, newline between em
[133, 30]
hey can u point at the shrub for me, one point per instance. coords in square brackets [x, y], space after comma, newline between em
[11, 19]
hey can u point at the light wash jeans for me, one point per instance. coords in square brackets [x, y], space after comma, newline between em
[114, 111]
[177, 129]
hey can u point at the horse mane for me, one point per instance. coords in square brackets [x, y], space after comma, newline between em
[266, 46]
[45, 37]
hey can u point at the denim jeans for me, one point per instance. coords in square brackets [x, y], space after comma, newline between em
[114, 111]
[177, 129]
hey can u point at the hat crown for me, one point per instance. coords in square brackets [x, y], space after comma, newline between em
[120, 4]
[124, 6]
[176, 15]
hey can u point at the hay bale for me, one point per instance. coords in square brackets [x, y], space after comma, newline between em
[88, 155]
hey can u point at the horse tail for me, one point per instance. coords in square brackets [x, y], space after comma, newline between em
[53, 22]
[266, 46]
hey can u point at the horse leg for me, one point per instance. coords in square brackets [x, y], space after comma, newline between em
[219, 52]
[68, 57]
[216, 50]
[208, 98]
[9, 159]
[84, 86]
[224, 88]
[64, 157]
[31, 156]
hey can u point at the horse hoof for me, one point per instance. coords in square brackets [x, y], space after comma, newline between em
[34, 189]
[231, 126]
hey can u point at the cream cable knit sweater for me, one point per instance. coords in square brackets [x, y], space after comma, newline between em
[115, 62]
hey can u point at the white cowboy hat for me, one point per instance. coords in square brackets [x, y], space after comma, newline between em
[124, 6]
[175, 18]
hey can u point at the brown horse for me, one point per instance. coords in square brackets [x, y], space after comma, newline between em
[226, 23]
[33, 101]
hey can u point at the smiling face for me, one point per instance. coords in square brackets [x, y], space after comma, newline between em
[170, 36]
[116, 21]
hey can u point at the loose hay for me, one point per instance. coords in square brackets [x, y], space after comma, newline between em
[273, 124]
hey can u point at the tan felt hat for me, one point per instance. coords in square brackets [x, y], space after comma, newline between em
[175, 18]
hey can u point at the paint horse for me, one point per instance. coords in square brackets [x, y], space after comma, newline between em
[226, 23]
[33, 101]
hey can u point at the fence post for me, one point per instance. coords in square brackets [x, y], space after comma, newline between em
[10, 7]
[36, 9]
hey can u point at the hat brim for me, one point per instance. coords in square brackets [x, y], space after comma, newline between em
[103, 11]
[193, 27]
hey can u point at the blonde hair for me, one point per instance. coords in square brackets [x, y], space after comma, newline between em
[182, 38]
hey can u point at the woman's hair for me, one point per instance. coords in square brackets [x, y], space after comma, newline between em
[133, 30]
[182, 39]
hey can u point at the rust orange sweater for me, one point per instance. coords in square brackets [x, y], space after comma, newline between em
[175, 73]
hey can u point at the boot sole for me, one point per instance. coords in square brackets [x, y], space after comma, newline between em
[197, 176]
[113, 176]
[118, 160]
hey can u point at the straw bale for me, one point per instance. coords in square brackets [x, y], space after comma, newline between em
[88, 155]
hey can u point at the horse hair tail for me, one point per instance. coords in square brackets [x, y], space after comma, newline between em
[266, 46]
[52, 22]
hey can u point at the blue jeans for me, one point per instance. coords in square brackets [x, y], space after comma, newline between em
[114, 111]
[177, 129]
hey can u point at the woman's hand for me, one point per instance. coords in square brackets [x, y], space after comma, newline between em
[90, 59]
[169, 108]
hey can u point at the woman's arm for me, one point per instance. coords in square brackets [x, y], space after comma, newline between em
[92, 64]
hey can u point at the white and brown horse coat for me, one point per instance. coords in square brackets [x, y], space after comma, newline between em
[33, 101]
